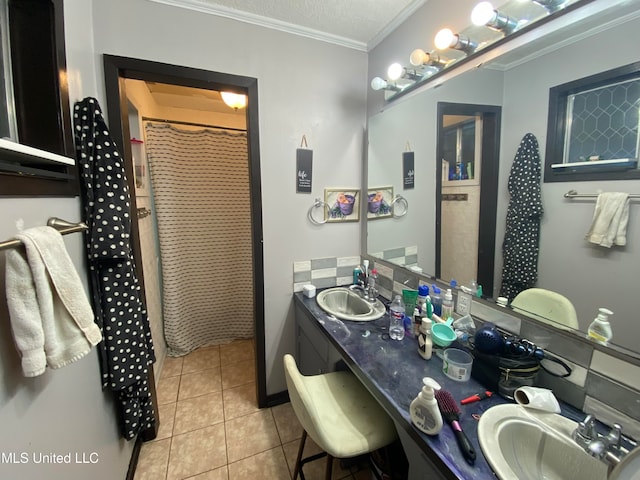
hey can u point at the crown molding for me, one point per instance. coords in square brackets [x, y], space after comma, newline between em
[205, 7]
[395, 23]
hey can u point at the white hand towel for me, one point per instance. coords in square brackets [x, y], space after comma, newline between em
[610, 218]
[52, 320]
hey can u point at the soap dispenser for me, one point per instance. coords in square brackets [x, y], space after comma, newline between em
[424, 410]
[600, 328]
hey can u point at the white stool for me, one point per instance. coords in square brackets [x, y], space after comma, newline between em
[338, 413]
[546, 306]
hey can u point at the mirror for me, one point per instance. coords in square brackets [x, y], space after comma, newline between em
[466, 193]
[519, 81]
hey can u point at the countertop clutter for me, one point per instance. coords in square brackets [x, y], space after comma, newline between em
[393, 371]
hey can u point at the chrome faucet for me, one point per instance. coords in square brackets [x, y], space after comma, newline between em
[606, 448]
[365, 286]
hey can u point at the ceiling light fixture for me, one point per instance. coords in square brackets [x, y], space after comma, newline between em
[381, 84]
[484, 14]
[397, 71]
[445, 39]
[234, 100]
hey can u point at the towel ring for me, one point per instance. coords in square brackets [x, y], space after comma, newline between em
[318, 204]
[400, 200]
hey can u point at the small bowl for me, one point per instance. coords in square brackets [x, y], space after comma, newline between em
[457, 364]
[442, 334]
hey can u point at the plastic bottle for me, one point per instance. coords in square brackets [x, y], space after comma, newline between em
[600, 328]
[356, 275]
[417, 321]
[396, 318]
[424, 410]
[423, 293]
[373, 276]
[436, 300]
[425, 345]
[447, 305]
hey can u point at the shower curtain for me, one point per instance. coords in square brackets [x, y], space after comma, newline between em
[200, 184]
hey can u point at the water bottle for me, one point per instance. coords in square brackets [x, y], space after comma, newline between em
[396, 318]
[447, 305]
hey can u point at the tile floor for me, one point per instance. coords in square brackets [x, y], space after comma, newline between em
[212, 429]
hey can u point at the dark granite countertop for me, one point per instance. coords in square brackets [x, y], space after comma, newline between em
[393, 370]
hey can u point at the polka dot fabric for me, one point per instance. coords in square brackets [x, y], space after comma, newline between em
[127, 350]
[521, 240]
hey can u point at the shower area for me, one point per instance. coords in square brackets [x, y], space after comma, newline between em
[191, 167]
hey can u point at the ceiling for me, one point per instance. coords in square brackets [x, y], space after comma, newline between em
[358, 24]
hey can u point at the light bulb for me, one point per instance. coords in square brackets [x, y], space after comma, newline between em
[445, 38]
[234, 100]
[418, 57]
[378, 83]
[395, 71]
[482, 13]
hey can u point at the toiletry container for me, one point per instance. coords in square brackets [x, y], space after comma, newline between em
[425, 345]
[356, 275]
[447, 305]
[423, 293]
[436, 300]
[424, 410]
[417, 321]
[600, 328]
[396, 318]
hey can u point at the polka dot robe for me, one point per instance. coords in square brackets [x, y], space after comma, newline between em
[127, 350]
[521, 239]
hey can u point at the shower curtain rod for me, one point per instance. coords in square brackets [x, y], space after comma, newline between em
[191, 124]
[62, 226]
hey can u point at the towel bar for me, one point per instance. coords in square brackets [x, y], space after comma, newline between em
[574, 194]
[62, 226]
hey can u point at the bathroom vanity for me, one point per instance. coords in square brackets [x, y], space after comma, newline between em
[392, 371]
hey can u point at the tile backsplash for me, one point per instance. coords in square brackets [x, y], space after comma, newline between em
[602, 383]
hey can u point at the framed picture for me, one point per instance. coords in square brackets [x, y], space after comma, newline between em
[379, 202]
[343, 204]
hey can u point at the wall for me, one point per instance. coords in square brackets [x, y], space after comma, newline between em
[62, 411]
[306, 87]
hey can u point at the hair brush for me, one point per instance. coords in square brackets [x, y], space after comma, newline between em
[451, 414]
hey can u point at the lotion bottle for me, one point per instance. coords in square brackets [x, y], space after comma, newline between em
[600, 328]
[424, 410]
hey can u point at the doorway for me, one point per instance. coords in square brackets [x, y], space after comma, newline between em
[117, 70]
[467, 192]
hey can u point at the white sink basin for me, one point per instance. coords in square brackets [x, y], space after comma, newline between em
[521, 443]
[346, 304]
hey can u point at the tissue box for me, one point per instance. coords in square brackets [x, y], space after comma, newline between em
[309, 291]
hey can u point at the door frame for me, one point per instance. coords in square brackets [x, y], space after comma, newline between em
[116, 70]
[491, 118]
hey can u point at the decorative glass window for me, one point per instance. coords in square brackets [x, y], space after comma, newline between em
[603, 123]
[594, 127]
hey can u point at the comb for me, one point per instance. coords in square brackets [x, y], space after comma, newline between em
[451, 414]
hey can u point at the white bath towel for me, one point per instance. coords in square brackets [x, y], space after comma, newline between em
[610, 218]
[51, 318]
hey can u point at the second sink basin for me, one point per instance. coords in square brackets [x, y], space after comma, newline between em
[346, 304]
[524, 443]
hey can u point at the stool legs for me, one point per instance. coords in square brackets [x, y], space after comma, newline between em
[327, 475]
[296, 470]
